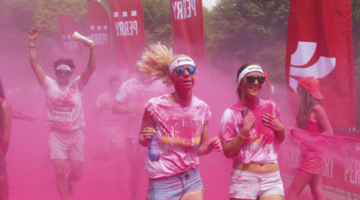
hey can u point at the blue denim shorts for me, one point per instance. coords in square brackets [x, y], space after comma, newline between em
[176, 186]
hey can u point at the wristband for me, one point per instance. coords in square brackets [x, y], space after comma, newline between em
[208, 147]
[32, 47]
[241, 137]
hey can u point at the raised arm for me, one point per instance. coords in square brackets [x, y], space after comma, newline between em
[85, 76]
[39, 72]
[7, 127]
[322, 118]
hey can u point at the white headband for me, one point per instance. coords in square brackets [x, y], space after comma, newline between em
[63, 67]
[248, 69]
[179, 62]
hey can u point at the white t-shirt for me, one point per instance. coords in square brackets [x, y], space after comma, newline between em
[133, 93]
[179, 134]
[64, 108]
[105, 102]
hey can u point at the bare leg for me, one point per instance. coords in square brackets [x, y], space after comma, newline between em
[301, 179]
[60, 168]
[76, 170]
[195, 195]
[4, 187]
[119, 165]
[273, 197]
[316, 187]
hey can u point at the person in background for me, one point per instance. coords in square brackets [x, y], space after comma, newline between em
[179, 122]
[5, 129]
[312, 118]
[111, 136]
[249, 130]
[130, 101]
[64, 113]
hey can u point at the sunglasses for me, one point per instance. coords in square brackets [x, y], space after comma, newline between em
[181, 70]
[251, 79]
[60, 72]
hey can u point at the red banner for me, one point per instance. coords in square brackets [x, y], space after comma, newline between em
[128, 32]
[68, 26]
[319, 44]
[188, 29]
[99, 30]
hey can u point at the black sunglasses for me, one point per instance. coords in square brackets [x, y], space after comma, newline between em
[60, 72]
[181, 70]
[251, 79]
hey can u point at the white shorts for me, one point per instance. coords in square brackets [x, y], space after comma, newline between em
[66, 144]
[248, 185]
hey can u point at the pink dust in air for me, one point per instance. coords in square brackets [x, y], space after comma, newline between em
[32, 175]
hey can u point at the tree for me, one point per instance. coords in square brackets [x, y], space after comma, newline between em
[157, 21]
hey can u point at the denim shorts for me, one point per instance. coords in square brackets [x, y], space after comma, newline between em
[248, 185]
[2, 164]
[176, 186]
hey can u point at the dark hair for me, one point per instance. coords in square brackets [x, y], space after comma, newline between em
[64, 61]
[2, 95]
[238, 90]
[113, 79]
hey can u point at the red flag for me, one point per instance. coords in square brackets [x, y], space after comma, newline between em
[128, 32]
[99, 30]
[319, 44]
[188, 28]
[67, 27]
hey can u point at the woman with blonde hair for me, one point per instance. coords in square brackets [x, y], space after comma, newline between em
[5, 126]
[179, 122]
[249, 130]
[312, 118]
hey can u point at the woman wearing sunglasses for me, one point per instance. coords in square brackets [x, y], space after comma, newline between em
[64, 113]
[249, 130]
[179, 121]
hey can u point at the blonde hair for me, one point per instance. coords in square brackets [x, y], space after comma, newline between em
[156, 62]
[306, 103]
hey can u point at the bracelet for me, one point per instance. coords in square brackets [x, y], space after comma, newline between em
[208, 147]
[241, 137]
[32, 47]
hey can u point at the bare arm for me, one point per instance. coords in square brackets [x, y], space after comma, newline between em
[232, 147]
[22, 116]
[85, 76]
[7, 127]
[39, 72]
[120, 109]
[206, 146]
[322, 118]
[146, 132]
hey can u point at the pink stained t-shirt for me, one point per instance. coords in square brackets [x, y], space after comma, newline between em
[179, 133]
[259, 146]
[63, 103]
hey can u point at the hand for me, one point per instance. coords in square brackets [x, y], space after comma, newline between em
[90, 45]
[148, 132]
[248, 121]
[215, 144]
[33, 34]
[272, 122]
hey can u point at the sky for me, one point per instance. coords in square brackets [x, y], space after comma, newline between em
[208, 3]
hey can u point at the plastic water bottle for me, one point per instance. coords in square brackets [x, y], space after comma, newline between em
[153, 146]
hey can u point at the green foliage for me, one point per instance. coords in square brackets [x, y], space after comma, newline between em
[250, 30]
[157, 21]
[47, 19]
